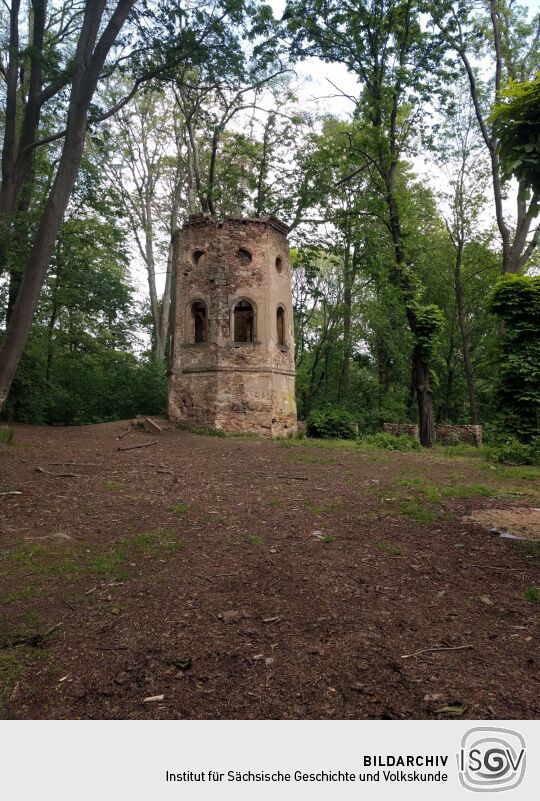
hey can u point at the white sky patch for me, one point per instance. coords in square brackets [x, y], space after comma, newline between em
[321, 89]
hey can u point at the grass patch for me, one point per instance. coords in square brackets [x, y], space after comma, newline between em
[113, 485]
[388, 548]
[29, 557]
[320, 444]
[514, 492]
[469, 491]
[109, 563]
[7, 435]
[526, 547]
[435, 493]
[522, 473]
[164, 539]
[206, 431]
[207, 518]
[64, 566]
[309, 458]
[532, 595]
[256, 540]
[416, 512]
[179, 509]
[328, 538]
[388, 442]
[275, 502]
[462, 450]
[320, 509]
[40, 561]
[10, 670]
[15, 596]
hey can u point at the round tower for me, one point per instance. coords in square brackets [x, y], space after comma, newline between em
[232, 350]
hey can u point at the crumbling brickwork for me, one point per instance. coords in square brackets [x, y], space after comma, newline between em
[444, 434]
[232, 351]
[451, 435]
[401, 428]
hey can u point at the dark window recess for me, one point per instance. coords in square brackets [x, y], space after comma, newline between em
[279, 264]
[244, 257]
[196, 256]
[280, 321]
[244, 322]
[198, 314]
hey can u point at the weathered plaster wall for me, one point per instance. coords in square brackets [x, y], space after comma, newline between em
[221, 383]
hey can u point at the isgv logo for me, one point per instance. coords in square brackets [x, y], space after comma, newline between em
[491, 759]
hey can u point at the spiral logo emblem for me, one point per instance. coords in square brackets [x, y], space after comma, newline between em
[491, 759]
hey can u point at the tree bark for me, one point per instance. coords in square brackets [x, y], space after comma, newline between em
[467, 363]
[88, 63]
[424, 398]
[420, 365]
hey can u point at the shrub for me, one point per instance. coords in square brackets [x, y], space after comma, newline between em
[390, 442]
[6, 434]
[512, 451]
[331, 424]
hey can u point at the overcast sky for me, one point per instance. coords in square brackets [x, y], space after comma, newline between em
[321, 88]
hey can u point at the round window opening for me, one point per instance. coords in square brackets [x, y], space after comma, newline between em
[196, 256]
[279, 264]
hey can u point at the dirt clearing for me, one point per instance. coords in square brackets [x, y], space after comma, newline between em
[203, 577]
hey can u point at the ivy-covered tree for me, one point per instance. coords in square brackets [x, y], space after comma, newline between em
[385, 45]
[516, 300]
[516, 121]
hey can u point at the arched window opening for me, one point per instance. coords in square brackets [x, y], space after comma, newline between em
[198, 321]
[196, 256]
[280, 321]
[279, 264]
[244, 257]
[244, 322]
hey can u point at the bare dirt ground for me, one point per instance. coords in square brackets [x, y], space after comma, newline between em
[236, 578]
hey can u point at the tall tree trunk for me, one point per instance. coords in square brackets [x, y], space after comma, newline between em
[347, 315]
[88, 63]
[467, 363]
[516, 249]
[420, 366]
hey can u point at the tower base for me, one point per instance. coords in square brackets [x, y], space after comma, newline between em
[255, 401]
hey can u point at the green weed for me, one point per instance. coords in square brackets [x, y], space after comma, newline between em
[113, 485]
[309, 458]
[109, 563]
[532, 595]
[388, 548]
[206, 431]
[417, 512]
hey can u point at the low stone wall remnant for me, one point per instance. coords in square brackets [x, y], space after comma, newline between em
[452, 435]
[401, 428]
[444, 434]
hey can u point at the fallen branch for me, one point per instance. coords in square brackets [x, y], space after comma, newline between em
[76, 464]
[166, 472]
[59, 475]
[133, 447]
[35, 640]
[11, 492]
[294, 478]
[437, 649]
[126, 432]
[494, 567]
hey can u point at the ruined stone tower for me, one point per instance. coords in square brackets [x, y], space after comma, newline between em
[232, 351]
